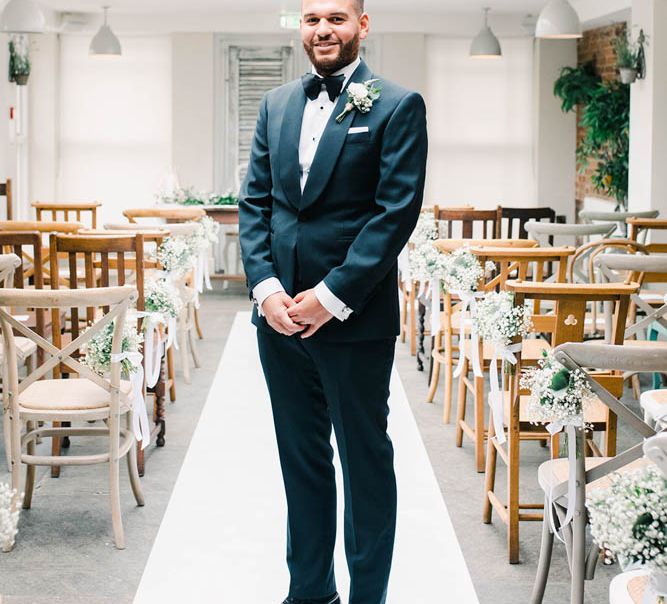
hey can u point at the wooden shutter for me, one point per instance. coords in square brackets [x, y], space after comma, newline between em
[253, 72]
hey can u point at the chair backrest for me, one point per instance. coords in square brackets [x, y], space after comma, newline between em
[41, 227]
[582, 266]
[640, 229]
[115, 301]
[576, 234]
[27, 246]
[67, 212]
[6, 192]
[515, 220]
[449, 245]
[176, 214]
[568, 322]
[468, 223]
[111, 260]
[8, 264]
[183, 229]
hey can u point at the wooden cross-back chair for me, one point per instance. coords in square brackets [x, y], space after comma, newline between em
[83, 213]
[86, 398]
[464, 223]
[44, 229]
[153, 236]
[528, 264]
[119, 260]
[514, 221]
[566, 324]
[591, 474]
[443, 347]
[6, 192]
[620, 218]
[176, 214]
[641, 229]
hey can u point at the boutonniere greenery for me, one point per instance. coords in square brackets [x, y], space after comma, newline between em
[360, 97]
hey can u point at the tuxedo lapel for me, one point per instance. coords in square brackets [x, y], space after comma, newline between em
[290, 134]
[332, 142]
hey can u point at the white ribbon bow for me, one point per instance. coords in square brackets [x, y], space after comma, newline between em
[555, 428]
[140, 424]
[469, 301]
[152, 352]
[496, 396]
[202, 275]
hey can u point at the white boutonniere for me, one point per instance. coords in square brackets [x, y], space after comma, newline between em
[360, 97]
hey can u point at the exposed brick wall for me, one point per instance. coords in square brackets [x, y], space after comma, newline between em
[596, 46]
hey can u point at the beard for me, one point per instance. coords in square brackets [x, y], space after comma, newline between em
[348, 52]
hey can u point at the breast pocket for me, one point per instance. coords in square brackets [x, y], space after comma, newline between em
[355, 138]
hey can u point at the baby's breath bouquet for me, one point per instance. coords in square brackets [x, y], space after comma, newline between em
[464, 271]
[8, 519]
[98, 348]
[629, 519]
[557, 395]
[427, 263]
[499, 321]
[176, 255]
[207, 234]
[425, 230]
[162, 297]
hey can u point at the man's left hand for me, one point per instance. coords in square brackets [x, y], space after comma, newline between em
[309, 311]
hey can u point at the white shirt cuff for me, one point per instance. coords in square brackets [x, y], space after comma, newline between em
[334, 305]
[264, 289]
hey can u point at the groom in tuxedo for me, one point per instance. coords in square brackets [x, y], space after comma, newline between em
[333, 191]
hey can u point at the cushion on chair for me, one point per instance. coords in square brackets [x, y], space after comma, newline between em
[69, 395]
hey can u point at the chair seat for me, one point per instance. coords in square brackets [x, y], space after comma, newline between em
[68, 395]
[531, 351]
[596, 412]
[654, 404]
[25, 348]
[555, 471]
[653, 296]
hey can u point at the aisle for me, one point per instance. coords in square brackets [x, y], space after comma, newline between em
[222, 539]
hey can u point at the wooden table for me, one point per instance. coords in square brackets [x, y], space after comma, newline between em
[225, 215]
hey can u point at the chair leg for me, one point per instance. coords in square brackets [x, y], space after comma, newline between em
[15, 463]
[29, 472]
[461, 404]
[479, 423]
[449, 379]
[404, 312]
[171, 373]
[490, 474]
[193, 347]
[8, 439]
[114, 483]
[513, 496]
[56, 449]
[412, 321]
[200, 333]
[636, 388]
[546, 549]
[578, 567]
[435, 372]
[183, 349]
[133, 470]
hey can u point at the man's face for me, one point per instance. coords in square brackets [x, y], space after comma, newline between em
[332, 31]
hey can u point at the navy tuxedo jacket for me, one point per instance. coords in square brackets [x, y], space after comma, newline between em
[359, 207]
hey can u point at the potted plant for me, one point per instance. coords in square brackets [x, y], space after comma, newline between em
[19, 60]
[576, 85]
[629, 56]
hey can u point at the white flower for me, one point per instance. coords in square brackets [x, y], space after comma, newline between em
[499, 321]
[162, 297]
[176, 254]
[8, 520]
[98, 348]
[358, 91]
[629, 519]
[463, 272]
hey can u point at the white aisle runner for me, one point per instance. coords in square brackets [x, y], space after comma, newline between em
[222, 539]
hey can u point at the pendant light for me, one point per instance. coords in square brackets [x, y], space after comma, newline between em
[558, 20]
[105, 43]
[22, 17]
[485, 45]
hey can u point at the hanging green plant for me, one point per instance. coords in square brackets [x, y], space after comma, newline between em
[576, 86]
[606, 119]
[19, 60]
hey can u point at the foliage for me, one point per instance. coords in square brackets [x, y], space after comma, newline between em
[162, 296]
[576, 86]
[627, 51]
[19, 59]
[191, 197]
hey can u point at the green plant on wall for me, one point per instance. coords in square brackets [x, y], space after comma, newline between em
[19, 60]
[605, 116]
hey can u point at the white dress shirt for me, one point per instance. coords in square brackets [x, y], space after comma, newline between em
[316, 115]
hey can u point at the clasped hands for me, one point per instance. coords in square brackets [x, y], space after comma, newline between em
[302, 314]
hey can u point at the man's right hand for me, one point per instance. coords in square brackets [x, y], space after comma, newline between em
[275, 311]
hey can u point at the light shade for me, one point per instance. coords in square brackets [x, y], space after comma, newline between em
[22, 17]
[485, 45]
[558, 19]
[105, 43]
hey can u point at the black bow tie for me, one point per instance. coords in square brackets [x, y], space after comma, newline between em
[312, 84]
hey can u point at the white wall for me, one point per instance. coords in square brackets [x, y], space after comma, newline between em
[480, 124]
[192, 103]
[116, 121]
[7, 95]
